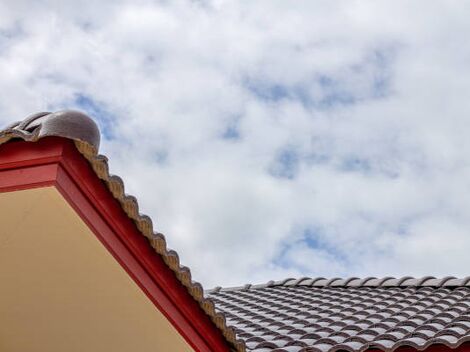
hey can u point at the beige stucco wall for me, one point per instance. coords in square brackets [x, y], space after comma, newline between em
[60, 290]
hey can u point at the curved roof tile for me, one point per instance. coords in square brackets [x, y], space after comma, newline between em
[356, 314]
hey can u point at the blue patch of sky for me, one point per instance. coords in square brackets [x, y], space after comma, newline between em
[355, 164]
[160, 157]
[334, 91]
[382, 80]
[368, 166]
[380, 62]
[231, 133]
[317, 158]
[268, 91]
[286, 164]
[10, 35]
[85, 25]
[232, 129]
[313, 238]
[98, 111]
[333, 94]
[281, 259]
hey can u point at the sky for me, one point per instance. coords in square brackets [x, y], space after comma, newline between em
[268, 139]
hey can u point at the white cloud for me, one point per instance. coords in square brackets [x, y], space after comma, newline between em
[369, 97]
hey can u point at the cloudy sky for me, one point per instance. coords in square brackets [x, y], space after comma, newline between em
[268, 139]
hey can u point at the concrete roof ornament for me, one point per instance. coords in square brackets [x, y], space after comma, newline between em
[67, 123]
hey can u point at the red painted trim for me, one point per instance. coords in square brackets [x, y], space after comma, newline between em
[55, 161]
[31, 177]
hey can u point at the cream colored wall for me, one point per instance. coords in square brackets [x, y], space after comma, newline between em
[60, 290]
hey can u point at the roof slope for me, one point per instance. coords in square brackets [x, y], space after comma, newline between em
[321, 315]
[291, 315]
[84, 132]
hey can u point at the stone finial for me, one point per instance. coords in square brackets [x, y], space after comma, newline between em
[67, 123]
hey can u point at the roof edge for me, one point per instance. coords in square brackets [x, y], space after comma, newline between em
[85, 133]
[388, 281]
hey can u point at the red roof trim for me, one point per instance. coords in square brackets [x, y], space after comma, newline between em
[55, 161]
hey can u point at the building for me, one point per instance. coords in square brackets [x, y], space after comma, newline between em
[82, 270]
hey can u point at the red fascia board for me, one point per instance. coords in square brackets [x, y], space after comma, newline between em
[56, 162]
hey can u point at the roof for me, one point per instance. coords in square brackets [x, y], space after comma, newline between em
[81, 129]
[321, 315]
[292, 315]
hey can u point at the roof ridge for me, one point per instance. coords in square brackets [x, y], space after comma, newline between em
[370, 281]
[84, 132]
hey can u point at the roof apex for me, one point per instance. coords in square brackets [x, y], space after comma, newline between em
[69, 124]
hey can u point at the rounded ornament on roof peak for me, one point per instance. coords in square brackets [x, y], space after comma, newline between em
[70, 124]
